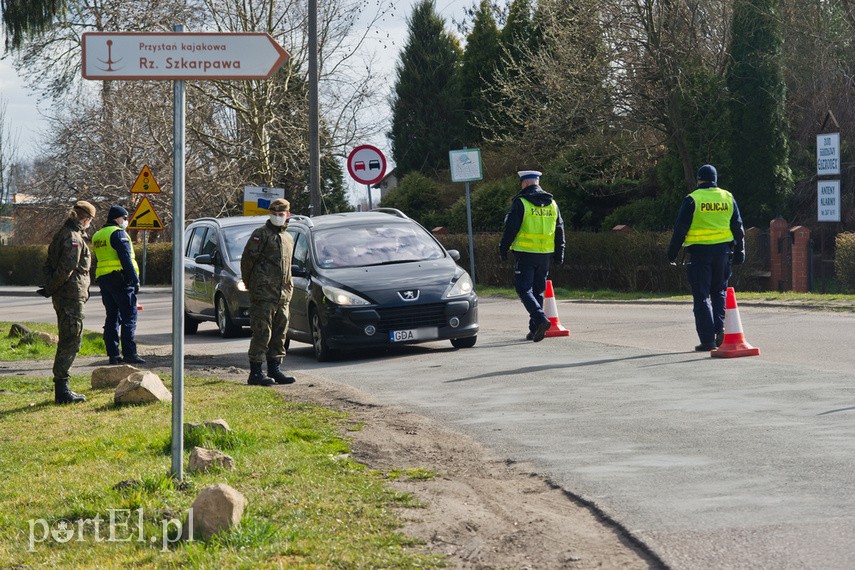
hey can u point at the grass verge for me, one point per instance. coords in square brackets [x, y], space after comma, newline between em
[92, 344]
[309, 504]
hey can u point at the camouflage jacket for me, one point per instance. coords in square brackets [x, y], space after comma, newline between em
[266, 264]
[68, 262]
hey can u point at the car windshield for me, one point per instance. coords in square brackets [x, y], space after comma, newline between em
[236, 238]
[359, 246]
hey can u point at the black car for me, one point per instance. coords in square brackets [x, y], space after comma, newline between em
[376, 279]
[213, 289]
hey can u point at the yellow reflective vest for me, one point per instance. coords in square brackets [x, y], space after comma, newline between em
[107, 256]
[711, 221]
[537, 231]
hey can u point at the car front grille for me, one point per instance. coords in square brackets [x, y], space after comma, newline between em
[413, 317]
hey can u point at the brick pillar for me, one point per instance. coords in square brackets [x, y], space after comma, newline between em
[801, 258]
[778, 231]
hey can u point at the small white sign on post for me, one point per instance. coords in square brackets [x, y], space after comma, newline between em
[465, 165]
[828, 154]
[828, 200]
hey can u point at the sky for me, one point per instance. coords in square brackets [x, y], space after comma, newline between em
[26, 122]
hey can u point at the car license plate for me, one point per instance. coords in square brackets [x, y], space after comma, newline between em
[413, 334]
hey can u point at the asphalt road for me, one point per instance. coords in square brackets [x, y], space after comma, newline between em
[713, 463]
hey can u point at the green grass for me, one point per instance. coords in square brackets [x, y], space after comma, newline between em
[92, 343]
[310, 504]
[825, 301]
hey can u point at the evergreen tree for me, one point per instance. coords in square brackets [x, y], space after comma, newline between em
[760, 177]
[23, 19]
[480, 61]
[517, 38]
[427, 114]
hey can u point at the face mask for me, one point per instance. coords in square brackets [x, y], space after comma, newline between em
[277, 220]
[86, 225]
[124, 225]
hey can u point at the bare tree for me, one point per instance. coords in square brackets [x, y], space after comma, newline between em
[8, 157]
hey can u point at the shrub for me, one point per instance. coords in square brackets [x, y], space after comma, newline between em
[844, 261]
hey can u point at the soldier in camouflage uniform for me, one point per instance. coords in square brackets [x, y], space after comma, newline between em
[266, 271]
[67, 271]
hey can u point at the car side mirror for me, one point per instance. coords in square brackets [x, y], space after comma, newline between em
[298, 270]
[455, 255]
[204, 259]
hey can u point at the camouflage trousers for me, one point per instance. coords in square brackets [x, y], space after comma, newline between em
[268, 321]
[69, 318]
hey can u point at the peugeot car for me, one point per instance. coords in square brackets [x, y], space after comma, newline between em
[376, 279]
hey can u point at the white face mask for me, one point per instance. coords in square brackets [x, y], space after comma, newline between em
[86, 225]
[124, 224]
[277, 220]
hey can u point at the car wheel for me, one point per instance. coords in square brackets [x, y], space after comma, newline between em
[191, 325]
[465, 342]
[228, 328]
[323, 353]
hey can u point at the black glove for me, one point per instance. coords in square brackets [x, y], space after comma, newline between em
[43, 292]
[558, 258]
[738, 257]
[136, 288]
[503, 254]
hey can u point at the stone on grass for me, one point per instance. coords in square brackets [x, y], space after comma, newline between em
[213, 425]
[217, 508]
[202, 459]
[111, 376]
[142, 388]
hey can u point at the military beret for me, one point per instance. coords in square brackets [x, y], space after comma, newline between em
[526, 174]
[85, 207]
[280, 205]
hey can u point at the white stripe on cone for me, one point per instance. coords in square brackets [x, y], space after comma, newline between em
[550, 307]
[732, 322]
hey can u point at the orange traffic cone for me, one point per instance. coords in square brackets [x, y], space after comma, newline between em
[551, 310]
[734, 341]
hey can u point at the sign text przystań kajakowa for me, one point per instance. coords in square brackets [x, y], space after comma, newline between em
[179, 62]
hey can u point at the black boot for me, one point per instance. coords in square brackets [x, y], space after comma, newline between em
[63, 395]
[277, 375]
[257, 377]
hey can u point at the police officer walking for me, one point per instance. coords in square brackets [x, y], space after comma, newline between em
[117, 275]
[534, 231]
[67, 272]
[710, 227]
[266, 271]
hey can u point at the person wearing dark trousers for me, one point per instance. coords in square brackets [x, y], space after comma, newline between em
[710, 227]
[534, 231]
[67, 273]
[117, 275]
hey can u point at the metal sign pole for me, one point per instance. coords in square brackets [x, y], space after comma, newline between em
[178, 277]
[142, 275]
[471, 241]
[370, 206]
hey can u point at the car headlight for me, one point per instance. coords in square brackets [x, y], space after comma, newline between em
[462, 287]
[241, 285]
[342, 297]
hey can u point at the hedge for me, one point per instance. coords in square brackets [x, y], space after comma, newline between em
[622, 261]
[844, 261]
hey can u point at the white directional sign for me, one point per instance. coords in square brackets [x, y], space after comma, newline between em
[366, 164]
[465, 165]
[190, 55]
[828, 154]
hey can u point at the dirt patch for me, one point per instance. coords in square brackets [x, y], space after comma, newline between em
[480, 511]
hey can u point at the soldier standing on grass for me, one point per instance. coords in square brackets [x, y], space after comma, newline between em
[266, 270]
[67, 272]
[534, 231]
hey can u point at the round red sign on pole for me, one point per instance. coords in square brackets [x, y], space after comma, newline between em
[366, 164]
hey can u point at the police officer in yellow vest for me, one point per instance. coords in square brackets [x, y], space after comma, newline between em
[710, 227]
[534, 231]
[117, 275]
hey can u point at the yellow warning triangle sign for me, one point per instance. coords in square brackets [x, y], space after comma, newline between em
[144, 217]
[145, 184]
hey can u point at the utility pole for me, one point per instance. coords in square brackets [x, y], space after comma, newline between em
[314, 142]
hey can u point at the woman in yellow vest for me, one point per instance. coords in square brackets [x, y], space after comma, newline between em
[117, 275]
[534, 231]
[710, 227]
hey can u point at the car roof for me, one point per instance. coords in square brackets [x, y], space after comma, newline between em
[317, 222]
[233, 221]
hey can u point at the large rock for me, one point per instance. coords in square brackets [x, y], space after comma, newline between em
[202, 459]
[27, 336]
[142, 388]
[216, 508]
[111, 376]
[213, 425]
